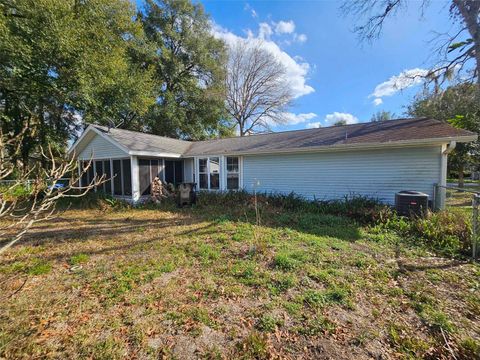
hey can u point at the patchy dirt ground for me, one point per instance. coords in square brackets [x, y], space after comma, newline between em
[193, 284]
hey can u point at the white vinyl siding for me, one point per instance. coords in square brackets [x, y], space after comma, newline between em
[333, 175]
[100, 148]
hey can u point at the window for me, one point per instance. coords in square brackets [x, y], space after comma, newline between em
[233, 173]
[214, 166]
[216, 173]
[203, 173]
[209, 173]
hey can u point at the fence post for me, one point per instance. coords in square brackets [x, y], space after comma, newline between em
[475, 204]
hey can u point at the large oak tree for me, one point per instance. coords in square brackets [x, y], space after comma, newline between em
[188, 63]
[64, 61]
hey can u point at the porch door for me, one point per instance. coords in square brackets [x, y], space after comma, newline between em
[174, 171]
[144, 174]
[148, 170]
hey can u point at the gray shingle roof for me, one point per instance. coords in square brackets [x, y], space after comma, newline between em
[137, 141]
[383, 132]
[365, 133]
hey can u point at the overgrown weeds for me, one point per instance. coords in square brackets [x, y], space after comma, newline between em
[445, 232]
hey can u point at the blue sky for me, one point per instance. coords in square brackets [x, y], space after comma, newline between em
[335, 76]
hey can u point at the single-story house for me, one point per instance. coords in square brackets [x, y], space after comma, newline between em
[375, 159]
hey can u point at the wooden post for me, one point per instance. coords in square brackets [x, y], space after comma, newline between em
[135, 179]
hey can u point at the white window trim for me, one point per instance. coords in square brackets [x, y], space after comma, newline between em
[223, 172]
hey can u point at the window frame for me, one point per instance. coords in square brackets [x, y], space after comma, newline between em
[222, 172]
[227, 172]
[210, 173]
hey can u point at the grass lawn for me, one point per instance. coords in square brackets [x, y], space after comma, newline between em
[207, 283]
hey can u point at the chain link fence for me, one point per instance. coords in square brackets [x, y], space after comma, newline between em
[467, 201]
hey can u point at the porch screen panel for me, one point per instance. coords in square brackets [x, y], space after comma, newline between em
[169, 172]
[84, 177]
[117, 180]
[108, 175]
[91, 173]
[127, 177]
[144, 174]
[99, 171]
[155, 169]
[178, 172]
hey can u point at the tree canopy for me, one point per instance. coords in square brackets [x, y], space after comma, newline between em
[459, 106]
[64, 62]
[382, 115]
[188, 63]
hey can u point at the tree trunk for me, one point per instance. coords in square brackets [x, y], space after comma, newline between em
[461, 168]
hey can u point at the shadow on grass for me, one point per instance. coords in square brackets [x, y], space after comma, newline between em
[310, 223]
[65, 230]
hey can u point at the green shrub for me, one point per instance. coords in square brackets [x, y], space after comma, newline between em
[446, 232]
[357, 207]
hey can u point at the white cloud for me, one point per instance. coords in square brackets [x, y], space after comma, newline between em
[284, 27]
[296, 69]
[334, 117]
[264, 31]
[405, 79]
[248, 7]
[292, 119]
[314, 125]
[377, 101]
[301, 38]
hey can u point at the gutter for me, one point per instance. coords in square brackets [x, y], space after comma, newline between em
[450, 147]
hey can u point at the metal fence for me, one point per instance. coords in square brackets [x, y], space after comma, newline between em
[466, 200]
[26, 183]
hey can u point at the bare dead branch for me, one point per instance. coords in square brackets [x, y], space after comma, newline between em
[37, 202]
[455, 55]
[257, 90]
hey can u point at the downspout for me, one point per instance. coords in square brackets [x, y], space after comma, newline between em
[450, 147]
[442, 191]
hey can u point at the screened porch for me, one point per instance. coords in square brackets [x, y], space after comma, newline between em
[131, 178]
